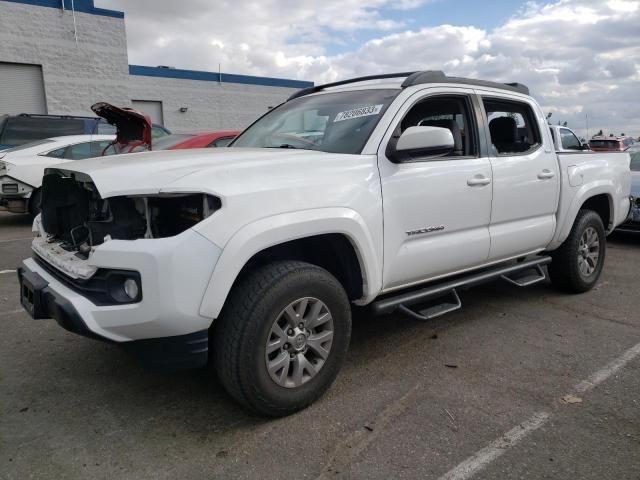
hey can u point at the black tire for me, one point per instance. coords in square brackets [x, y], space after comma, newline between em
[240, 334]
[34, 202]
[564, 270]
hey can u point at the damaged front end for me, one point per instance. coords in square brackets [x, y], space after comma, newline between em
[75, 219]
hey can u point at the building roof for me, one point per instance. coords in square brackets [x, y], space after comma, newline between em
[82, 6]
[165, 72]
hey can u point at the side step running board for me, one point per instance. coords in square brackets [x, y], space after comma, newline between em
[402, 301]
[524, 278]
[435, 310]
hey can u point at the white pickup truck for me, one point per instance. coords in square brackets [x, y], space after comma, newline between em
[393, 191]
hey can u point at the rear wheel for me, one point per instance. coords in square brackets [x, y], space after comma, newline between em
[282, 337]
[577, 264]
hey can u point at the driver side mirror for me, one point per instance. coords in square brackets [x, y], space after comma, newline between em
[416, 142]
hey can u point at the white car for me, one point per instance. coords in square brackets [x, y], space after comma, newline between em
[22, 167]
[249, 257]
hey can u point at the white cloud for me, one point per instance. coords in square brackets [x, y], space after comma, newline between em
[579, 57]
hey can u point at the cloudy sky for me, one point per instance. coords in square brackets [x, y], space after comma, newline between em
[581, 58]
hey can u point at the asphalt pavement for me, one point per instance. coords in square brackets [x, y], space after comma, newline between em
[521, 383]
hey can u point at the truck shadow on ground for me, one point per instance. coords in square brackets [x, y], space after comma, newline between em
[14, 219]
[194, 402]
[89, 373]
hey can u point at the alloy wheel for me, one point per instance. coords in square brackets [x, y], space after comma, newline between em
[299, 342]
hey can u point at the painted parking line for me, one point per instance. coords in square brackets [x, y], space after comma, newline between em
[7, 271]
[12, 312]
[483, 457]
[488, 454]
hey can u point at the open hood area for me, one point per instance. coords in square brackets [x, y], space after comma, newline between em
[133, 128]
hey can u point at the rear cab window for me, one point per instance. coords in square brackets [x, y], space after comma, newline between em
[513, 127]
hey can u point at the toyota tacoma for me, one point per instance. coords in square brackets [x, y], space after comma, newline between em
[394, 191]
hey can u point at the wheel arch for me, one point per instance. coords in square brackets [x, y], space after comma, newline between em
[336, 239]
[597, 197]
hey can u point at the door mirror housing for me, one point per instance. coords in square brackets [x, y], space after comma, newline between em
[419, 142]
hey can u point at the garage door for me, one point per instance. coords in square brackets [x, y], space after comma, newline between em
[151, 108]
[21, 89]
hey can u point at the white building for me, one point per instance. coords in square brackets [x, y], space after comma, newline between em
[57, 59]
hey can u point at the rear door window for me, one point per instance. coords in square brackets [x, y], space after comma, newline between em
[513, 127]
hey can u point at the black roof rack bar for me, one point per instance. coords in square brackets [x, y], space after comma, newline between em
[428, 76]
[436, 76]
[317, 88]
[418, 78]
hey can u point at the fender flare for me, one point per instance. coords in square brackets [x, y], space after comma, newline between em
[274, 230]
[584, 193]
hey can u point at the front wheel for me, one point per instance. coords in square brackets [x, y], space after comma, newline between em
[282, 337]
[577, 264]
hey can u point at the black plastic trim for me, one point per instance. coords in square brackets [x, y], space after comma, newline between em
[418, 78]
[99, 288]
[171, 353]
[317, 88]
[47, 303]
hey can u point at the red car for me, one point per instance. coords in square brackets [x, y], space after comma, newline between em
[601, 143]
[177, 141]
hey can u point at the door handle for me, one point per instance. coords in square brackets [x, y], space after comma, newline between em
[478, 180]
[545, 174]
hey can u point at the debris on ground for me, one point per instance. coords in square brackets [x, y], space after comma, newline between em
[571, 399]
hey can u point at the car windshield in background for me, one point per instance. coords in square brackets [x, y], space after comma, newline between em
[635, 162]
[168, 141]
[339, 122]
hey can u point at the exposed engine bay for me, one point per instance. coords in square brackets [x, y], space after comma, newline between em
[78, 219]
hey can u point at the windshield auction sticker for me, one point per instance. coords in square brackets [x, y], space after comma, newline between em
[358, 112]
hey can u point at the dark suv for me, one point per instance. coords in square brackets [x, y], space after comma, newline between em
[24, 128]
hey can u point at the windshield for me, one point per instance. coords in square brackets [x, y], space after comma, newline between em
[168, 141]
[338, 122]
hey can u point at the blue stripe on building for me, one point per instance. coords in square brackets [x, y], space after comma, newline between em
[215, 77]
[82, 6]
